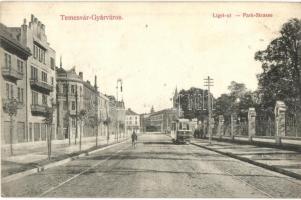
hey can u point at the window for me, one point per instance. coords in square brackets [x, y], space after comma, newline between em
[44, 99]
[19, 94]
[34, 73]
[39, 53]
[22, 95]
[64, 88]
[44, 77]
[65, 105]
[73, 105]
[34, 98]
[7, 61]
[72, 89]
[52, 81]
[11, 91]
[7, 90]
[52, 63]
[73, 122]
[35, 51]
[42, 55]
[20, 65]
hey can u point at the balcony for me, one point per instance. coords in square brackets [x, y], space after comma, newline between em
[11, 73]
[6, 102]
[41, 86]
[37, 109]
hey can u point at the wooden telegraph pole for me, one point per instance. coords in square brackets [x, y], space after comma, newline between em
[208, 82]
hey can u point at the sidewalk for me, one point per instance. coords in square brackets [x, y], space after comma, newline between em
[29, 156]
[282, 161]
[288, 143]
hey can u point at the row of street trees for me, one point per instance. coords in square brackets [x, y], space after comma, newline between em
[280, 80]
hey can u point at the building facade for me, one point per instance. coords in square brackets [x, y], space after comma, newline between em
[132, 121]
[37, 80]
[70, 102]
[160, 121]
[13, 57]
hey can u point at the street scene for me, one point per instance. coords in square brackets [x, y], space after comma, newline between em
[152, 100]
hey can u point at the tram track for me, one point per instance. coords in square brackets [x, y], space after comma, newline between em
[285, 176]
[87, 170]
[231, 174]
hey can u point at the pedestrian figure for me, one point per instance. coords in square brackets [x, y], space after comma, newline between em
[134, 139]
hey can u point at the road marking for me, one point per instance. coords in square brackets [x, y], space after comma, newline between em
[77, 175]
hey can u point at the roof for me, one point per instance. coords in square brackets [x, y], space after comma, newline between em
[8, 36]
[130, 112]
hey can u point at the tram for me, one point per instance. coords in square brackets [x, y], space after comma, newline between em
[180, 131]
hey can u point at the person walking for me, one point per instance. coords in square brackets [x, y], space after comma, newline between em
[134, 139]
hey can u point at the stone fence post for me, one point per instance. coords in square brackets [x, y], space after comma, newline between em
[280, 109]
[233, 125]
[251, 123]
[220, 126]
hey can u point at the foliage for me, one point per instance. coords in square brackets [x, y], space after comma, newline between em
[192, 104]
[11, 107]
[281, 76]
[238, 100]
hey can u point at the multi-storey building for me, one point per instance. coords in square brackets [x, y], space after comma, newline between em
[132, 121]
[104, 114]
[70, 102]
[38, 82]
[41, 93]
[91, 100]
[13, 57]
[117, 117]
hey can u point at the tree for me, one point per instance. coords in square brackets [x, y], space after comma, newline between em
[82, 116]
[238, 100]
[281, 76]
[11, 108]
[48, 120]
[193, 102]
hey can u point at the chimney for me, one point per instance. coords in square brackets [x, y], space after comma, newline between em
[95, 82]
[81, 75]
[61, 61]
[23, 37]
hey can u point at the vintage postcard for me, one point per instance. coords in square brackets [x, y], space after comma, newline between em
[150, 99]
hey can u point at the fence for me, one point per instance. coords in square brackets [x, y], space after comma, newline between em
[292, 125]
[265, 125]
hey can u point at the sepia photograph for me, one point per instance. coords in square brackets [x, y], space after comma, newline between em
[164, 99]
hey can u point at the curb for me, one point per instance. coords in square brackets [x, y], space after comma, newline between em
[54, 164]
[284, 146]
[269, 167]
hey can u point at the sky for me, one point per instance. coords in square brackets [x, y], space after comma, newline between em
[157, 47]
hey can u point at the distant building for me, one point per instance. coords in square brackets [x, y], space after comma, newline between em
[13, 56]
[91, 101]
[70, 101]
[117, 117]
[160, 121]
[132, 121]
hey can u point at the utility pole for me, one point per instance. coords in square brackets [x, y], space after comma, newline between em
[68, 112]
[208, 82]
[76, 116]
[118, 81]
